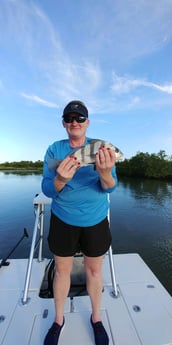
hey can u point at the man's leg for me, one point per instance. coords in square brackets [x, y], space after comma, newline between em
[61, 284]
[61, 287]
[93, 269]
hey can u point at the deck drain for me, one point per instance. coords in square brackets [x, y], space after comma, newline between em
[136, 308]
[150, 286]
[2, 318]
[45, 313]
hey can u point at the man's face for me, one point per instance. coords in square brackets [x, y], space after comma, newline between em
[75, 128]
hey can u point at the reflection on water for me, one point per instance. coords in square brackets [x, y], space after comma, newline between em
[157, 192]
[141, 219]
[142, 223]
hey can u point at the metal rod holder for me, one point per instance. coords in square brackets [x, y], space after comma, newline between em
[41, 232]
[113, 275]
[111, 262]
[30, 261]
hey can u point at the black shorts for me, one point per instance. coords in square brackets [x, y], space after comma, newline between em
[67, 240]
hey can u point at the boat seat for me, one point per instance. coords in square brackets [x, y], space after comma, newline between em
[78, 279]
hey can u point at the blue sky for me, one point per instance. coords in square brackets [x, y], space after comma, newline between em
[115, 55]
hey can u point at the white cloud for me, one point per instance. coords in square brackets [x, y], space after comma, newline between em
[126, 84]
[34, 98]
[41, 47]
[164, 88]
[134, 102]
[122, 31]
[72, 80]
[126, 30]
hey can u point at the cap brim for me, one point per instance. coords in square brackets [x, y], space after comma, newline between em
[76, 112]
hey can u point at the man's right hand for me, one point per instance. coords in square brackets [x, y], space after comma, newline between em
[65, 172]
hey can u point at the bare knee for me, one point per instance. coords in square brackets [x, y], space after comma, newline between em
[93, 267]
[92, 272]
[63, 266]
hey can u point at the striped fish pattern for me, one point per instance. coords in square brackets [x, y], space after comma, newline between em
[86, 154]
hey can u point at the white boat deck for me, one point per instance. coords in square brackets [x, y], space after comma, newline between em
[140, 315]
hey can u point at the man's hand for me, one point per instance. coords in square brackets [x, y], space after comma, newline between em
[105, 161]
[65, 172]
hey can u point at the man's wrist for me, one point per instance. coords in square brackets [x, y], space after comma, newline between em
[61, 179]
[59, 182]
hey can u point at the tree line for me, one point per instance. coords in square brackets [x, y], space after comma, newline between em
[144, 165]
[22, 165]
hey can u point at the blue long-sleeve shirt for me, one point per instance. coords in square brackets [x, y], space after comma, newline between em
[82, 201]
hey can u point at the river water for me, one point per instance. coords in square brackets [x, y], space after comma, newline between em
[141, 219]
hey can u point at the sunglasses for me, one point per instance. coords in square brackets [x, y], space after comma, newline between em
[78, 118]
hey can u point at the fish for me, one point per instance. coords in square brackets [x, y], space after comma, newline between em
[86, 154]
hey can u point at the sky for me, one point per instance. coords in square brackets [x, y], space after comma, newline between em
[114, 55]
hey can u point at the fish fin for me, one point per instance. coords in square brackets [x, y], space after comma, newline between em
[53, 163]
[93, 141]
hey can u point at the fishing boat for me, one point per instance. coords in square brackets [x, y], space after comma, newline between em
[136, 309]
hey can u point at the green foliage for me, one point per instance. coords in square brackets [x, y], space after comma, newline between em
[157, 166]
[22, 165]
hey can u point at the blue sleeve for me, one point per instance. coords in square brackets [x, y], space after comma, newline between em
[48, 176]
[110, 190]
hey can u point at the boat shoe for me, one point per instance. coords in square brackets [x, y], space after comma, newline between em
[100, 335]
[53, 334]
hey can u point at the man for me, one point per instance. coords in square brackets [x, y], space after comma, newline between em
[79, 216]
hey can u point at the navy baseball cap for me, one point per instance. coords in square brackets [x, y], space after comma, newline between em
[76, 107]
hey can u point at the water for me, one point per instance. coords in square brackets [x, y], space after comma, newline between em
[142, 223]
[141, 219]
